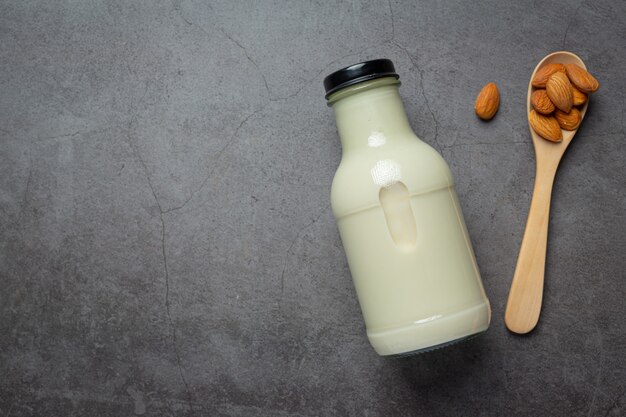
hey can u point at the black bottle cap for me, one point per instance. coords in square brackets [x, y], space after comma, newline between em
[357, 73]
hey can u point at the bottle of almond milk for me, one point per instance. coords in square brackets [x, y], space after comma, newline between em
[400, 222]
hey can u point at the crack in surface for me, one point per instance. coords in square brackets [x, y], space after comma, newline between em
[252, 61]
[217, 157]
[306, 83]
[293, 242]
[162, 212]
[137, 155]
[623, 111]
[393, 23]
[169, 314]
[177, 9]
[569, 23]
[176, 6]
[27, 188]
[423, 92]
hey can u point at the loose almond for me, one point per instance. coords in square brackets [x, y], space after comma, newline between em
[487, 102]
[568, 121]
[541, 77]
[584, 81]
[578, 97]
[559, 90]
[541, 102]
[545, 126]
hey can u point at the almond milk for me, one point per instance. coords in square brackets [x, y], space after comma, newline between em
[400, 222]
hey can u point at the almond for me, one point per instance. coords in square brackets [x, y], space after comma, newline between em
[541, 76]
[541, 102]
[559, 90]
[584, 81]
[487, 102]
[578, 97]
[568, 121]
[545, 126]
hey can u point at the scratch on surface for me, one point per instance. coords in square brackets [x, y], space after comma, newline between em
[569, 23]
[423, 92]
[293, 242]
[215, 159]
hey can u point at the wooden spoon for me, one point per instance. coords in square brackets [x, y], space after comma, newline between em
[524, 304]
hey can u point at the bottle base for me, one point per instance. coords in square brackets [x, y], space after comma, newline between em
[439, 346]
[421, 337]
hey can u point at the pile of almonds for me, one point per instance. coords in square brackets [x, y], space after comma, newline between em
[559, 89]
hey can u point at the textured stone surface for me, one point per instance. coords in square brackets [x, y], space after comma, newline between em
[166, 242]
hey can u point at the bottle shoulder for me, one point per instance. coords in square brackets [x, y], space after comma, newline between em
[362, 173]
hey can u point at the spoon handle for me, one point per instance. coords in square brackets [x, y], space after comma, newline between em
[524, 304]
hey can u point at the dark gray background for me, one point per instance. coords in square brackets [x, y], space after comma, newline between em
[167, 246]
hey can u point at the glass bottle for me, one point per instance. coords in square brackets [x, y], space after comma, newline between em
[400, 222]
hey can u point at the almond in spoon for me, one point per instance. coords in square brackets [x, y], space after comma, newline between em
[559, 90]
[545, 126]
[541, 77]
[578, 97]
[541, 102]
[568, 121]
[584, 81]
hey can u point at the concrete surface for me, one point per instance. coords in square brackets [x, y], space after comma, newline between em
[167, 247]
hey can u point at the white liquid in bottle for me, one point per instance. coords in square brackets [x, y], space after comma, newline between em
[401, 226]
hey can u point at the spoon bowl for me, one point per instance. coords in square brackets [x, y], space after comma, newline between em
[525, 297]
[561, 57]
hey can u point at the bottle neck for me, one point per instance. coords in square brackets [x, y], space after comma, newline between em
[370, 114]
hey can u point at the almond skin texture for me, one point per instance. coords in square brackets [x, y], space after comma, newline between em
[578, 97]
[584, 81]
[541, 102]
[559, 90]
[545, 126]
[541, 77]
[568, 121]
[487, 102]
